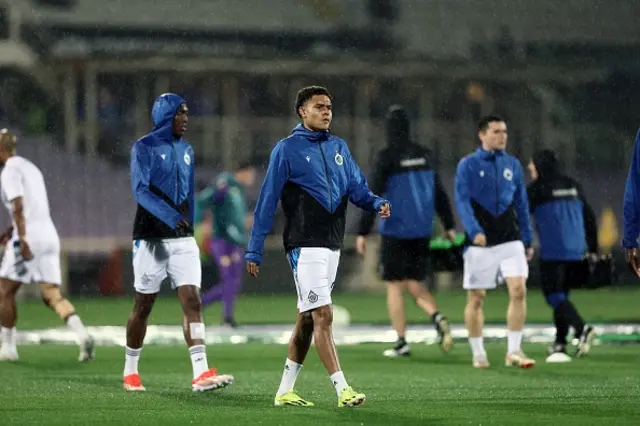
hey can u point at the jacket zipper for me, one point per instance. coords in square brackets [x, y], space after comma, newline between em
[175, 161]
[326, 174]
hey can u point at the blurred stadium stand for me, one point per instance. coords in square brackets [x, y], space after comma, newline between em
[78, 77]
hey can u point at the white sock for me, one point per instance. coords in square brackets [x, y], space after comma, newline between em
[289, 376]
[198, 360]
[75, 324]
[9, 337]
[131, 358]
[477, 346]
[514, 340]
[339, 382]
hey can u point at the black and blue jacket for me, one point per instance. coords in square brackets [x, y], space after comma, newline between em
[404, 174]
[491, 198]
[162, 177]
[314, 176]
[565, 222]
[631, 206]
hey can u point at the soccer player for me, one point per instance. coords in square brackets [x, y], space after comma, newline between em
[491, 198]
[162, 179]
[404, 174]
[567, 229]
[33, 252]
[631, 211]
[313, 174]
[227, 203]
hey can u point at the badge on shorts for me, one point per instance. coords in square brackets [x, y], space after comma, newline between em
[313, 298]
[508, 174]
[187, 159]
[339, 159]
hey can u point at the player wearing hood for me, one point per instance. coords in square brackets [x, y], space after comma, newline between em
[566, 227]
[405, 174]
[163, 181]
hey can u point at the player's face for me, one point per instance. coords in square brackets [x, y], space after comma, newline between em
[533, 172]
[495, 137]
[317, 113]
[180, 120]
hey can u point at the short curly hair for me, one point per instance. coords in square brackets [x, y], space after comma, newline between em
[309, 92]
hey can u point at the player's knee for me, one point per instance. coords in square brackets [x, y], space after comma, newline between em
[556, 299]
[518, 293]
[416, 289]
[306, 320]
[53, 299]
[191, 304]
[476, 299]
[322, 316]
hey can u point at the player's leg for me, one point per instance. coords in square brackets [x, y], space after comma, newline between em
[184, 270]
[515, 270]
[222, 261]
[585, 333]
[474, 322]
[149, 269]
[52, 298]
[397, 315]
[427, 302]
[232, 284]
[299, 345]
[479, 275]
[8, 318]
[551, 277]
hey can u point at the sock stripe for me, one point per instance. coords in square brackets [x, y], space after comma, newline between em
[198, 349]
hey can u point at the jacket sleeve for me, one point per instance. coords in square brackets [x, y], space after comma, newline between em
[358, 188]
[443, 205]
[378, 183]
[522, 207]
[276, 177]
[192, 188]
[140, 175]
[462, 197]
[590, 223]
[631, 204]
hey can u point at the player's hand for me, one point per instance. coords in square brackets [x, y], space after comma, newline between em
[530, 252]
[253, 269]
[25, 251]
[6, 236]
[384, 211]
[450, 235]
[480, 240]
[633, 261]
[183, 228]
[361, 244]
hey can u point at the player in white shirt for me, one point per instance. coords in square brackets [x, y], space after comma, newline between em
[32, 253]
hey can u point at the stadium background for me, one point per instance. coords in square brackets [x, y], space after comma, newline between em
[78, 77]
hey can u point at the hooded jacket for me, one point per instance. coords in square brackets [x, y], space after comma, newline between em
[162, 177]
[404, 174]
[565, 222]
[631, 206]
[313, 175]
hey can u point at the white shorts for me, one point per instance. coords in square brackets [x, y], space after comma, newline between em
[43, 268]
[154, 260]
[314, 271]
[486, 267]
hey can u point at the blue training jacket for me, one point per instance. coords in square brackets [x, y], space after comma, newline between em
[631, 205]
[162, 176]
[491, 198]
[314, 176]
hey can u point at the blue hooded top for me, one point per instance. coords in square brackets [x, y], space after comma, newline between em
[631, 205]
[162, 175]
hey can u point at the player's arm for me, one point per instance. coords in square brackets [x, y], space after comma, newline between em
[153, 203]
[13, 189]
[443, 204]
[276, 176]
[378, 182]
[590, 222]
[358, 188]
[462, 199]
[235, 222]
[192, 187]
[631, 204]
[521, 201]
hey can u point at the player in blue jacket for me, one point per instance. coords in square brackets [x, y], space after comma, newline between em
[631, 211]
[163, 180]
[491, 199]
[313, 175]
